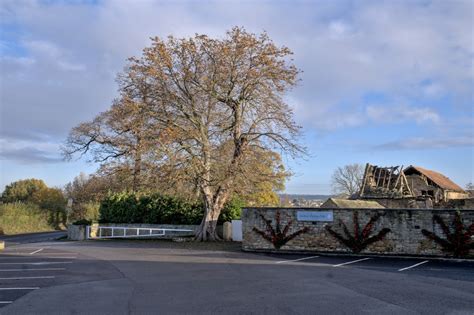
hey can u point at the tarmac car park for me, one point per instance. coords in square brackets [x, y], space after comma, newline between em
[136, 277]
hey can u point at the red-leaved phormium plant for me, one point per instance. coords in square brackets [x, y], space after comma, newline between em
[458, 242]
[277, 236]
[361, 238]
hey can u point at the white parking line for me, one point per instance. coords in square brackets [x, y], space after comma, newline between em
[56, 254]
[6, 302]
[351, 262]
[413, 266]
[59, 257]
[39, 263]
[32, 269]
[36, 251]
[50, 255]
[27, 278]
[27, 288]
[287, 261]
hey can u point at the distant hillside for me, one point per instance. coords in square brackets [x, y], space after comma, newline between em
[305, 197]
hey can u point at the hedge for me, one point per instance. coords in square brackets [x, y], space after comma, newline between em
[156, 209]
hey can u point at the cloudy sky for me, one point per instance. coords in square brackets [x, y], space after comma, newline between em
[385, 82]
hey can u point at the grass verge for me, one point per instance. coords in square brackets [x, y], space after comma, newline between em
[16, 218]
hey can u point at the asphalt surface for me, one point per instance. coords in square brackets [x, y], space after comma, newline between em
[31, 237]
[133, 277]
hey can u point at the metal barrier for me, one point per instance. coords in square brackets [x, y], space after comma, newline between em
[110, 232]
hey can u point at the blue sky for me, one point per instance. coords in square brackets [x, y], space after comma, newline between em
[385, 82]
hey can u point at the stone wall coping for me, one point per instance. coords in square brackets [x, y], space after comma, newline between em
[146, 225]
[368, 209]
[127, 224]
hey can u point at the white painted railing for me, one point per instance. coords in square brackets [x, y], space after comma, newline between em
[110, 232]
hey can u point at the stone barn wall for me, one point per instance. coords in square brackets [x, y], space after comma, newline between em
[404, 238]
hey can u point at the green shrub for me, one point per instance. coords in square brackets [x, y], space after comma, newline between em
[22, 190]
[85, 211]
[35, 191]
[82, 222]
[91, 211]
[148, 208]
[51, 199]
[120, 208]
[34, 194]
[129, 207]
[25, 218]
[232, 210]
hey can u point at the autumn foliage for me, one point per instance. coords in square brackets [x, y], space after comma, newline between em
[200, 114]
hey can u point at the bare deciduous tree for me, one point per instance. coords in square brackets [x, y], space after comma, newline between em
[119, 138]
[221, 100]
[470, 189]
[211, 107]
[346, 180]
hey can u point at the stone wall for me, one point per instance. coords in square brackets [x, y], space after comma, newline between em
[405, 203]
[464, 204]
[405, 236]
[76, 232]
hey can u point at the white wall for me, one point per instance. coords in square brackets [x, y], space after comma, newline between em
[237, 230]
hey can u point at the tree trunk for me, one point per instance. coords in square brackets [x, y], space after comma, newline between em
[137, 168]
[213, 205]
[207, 230]
[136, 176]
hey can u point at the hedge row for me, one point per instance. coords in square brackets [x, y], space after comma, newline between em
[156, 209]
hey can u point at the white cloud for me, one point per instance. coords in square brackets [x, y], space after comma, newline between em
[340, 120]
[433, 90]
[41, 47]
[68, 66]
[388, 47]
[52, 53]
[424, 143]
[18, 61]
[338, 29]
[28, 151]
[398, 114]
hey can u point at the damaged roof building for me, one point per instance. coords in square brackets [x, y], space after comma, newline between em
[412, 187]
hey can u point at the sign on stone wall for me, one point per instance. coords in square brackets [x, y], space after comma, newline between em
[326, 216]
